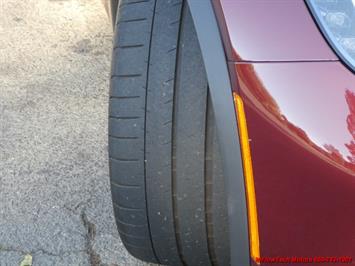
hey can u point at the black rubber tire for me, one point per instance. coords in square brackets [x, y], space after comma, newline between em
[166, 177]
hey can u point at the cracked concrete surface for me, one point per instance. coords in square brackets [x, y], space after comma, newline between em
[54, 185]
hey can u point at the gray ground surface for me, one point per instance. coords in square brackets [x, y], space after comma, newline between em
[54, 184]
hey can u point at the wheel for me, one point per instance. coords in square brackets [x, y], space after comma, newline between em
[166, 177]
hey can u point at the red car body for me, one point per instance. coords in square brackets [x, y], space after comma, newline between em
[300, 108]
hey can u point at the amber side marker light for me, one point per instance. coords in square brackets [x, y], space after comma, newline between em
[249, 179]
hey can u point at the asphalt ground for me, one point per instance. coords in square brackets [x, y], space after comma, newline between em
[55, 205]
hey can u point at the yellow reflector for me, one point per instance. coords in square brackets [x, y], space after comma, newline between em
[249, 179]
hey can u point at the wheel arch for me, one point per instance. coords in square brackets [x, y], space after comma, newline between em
[227, 130]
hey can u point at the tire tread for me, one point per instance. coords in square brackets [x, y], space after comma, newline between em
[164, 168]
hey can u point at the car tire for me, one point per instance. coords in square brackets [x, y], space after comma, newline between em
[166, 176]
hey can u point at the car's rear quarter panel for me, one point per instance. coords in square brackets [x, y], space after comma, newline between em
[297, 117]
[300, 108]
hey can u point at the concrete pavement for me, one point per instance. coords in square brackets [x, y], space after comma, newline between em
[55, 200]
